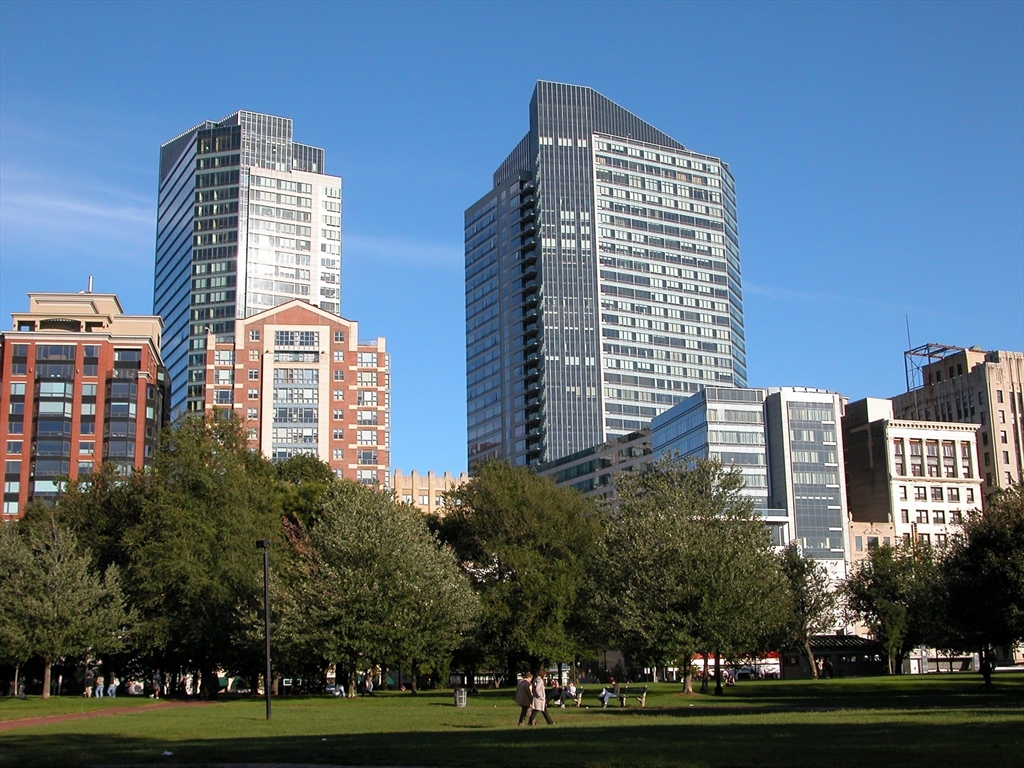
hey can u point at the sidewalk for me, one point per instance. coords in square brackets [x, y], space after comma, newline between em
[27, 722]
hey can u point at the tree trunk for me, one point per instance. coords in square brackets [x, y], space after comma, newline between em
[704, 677]
[687, 674]
[17, 668]
[718, 673]
[810, 657]
[414, 684]
[352, 676]
[47, 668]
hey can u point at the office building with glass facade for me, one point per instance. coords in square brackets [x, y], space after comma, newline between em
[602, 282]
[727, 424]
[247, 220]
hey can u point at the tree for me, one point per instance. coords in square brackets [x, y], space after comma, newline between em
[192, 565]
[983, 575]
[812, 606]
[694, 568]
[894, 593]
[18, 579]
[64, 607]
[371, 581]
[524, 542]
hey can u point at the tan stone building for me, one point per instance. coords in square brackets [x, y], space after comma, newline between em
[906, 481]
[971, 386]
[81, 384]
[303, 383]
[425, 491]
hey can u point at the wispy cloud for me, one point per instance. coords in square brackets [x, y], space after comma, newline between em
[398, 250]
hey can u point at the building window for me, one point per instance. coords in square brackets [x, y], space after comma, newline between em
[367, 457]
[338, 454]
[224, 357]
[339, 356]
[222, 397]
[439, 501]
[254, 394]
[916, 459]
[14, 447]
[922, 515]
[224, 376]
[251, 433]
[88, 390]
[367, 397]
[953, 494]
[988, 459]
[949, 459]
[906, 539]
[1007, 479]
[936, 493]
[424, 500]
[940, 539]
[1002, 417]
[254, 374]
[10, 507]
[366, 417]
[925, 539]
[965, 460]
[86, 447]
[955, 517]
[251, 413]
[254, 335]
[938, 517]
[903, 493]
[254, 354]
[407, 498]
[366, 437]
[898, 464]
[367, 359]
[366, 476]
[339, 394]
[339, 337]
[932, 454]
[18, 388]
[905, 515]
[969, 495]
[920, 493]
[339, 375]
[338, 414]
[338, 434]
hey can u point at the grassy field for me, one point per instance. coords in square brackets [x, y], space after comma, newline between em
[928, 721]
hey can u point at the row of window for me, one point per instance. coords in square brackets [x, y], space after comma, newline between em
[938, 493]
[938, 517]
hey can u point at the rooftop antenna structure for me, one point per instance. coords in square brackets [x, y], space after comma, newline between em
[89, 289]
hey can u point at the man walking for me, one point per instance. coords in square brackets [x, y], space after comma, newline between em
[540, 699]
[524, 696]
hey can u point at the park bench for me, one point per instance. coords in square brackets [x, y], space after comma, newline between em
[626, 691]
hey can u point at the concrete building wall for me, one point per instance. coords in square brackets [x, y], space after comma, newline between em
[425, 491]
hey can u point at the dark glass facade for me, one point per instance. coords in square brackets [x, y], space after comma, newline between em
[593, 302]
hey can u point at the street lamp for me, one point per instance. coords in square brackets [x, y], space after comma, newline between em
[264, 544]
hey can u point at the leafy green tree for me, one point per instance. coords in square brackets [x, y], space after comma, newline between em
[524, 542]
[19, 578]
[63, 606]
[813, 601]
[305, 480]
[894, 593]
[983, 575]
[693, 565]
[192, 563]
[372, 582]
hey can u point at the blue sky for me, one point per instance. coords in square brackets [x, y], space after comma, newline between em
[878, 151]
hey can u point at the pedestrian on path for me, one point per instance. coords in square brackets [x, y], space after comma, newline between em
[112, 688]
[524, 696]
[540, 699]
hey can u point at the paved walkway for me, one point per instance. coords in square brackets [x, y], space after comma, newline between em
[26, 722]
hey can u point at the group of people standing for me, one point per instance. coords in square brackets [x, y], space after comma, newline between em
[94, 685]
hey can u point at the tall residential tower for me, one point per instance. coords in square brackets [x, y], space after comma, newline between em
[247, 220]
[602, 281]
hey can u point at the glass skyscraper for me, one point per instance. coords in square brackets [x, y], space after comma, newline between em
[247, 220]
[602, 281]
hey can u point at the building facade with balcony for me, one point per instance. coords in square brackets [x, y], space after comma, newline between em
[303, 383]
[81, 384]
[602, 282]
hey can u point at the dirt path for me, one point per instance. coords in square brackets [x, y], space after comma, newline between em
[26, 722]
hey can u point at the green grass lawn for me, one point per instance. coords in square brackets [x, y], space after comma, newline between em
[928, 721]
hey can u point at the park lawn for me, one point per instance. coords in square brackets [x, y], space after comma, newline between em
[927, 721]
[37, 706]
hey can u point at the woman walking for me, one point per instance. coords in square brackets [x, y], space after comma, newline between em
[540, 699]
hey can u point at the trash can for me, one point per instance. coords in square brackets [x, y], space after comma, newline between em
[460, 696]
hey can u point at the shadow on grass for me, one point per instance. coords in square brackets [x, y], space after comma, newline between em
[936, 742]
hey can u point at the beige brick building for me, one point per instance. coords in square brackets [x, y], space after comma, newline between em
[971, 386]
[425, 491]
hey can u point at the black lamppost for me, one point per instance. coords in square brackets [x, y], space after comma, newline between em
[264, 544]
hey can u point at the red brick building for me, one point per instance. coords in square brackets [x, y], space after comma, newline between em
[304, 383]
[82, 384]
